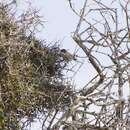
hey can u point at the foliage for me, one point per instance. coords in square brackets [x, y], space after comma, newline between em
[31, 73]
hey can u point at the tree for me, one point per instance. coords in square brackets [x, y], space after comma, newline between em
[31, 72]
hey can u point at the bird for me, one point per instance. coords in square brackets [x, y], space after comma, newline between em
[119, 108]
[67, 56]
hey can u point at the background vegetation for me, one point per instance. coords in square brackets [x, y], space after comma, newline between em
[31, 71]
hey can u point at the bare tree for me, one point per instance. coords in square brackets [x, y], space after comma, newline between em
[103, 34]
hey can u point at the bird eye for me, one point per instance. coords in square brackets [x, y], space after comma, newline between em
[63, 50]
